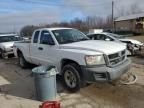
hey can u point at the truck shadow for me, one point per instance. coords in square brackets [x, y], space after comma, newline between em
[24, 88]
[18, 82]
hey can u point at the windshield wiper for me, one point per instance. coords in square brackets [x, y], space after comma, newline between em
[67, 41]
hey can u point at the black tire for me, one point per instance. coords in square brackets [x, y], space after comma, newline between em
[1, 54]
[132, 52]
[71, 73]
[22, 62]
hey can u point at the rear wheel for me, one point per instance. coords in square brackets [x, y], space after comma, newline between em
[2, 54]
[22, 62]
[71, 77]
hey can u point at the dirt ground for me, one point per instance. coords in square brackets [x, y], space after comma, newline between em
[140, 38]
[17, 90]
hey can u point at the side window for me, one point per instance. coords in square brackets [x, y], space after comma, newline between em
[91, 37]
[109, 38]
[94, 37]
[102, 37]
[36, 35]
[46, 38]
[97, 37]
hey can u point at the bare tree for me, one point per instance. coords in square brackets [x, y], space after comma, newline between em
[90, 22]
[27, 31]
[108, 22]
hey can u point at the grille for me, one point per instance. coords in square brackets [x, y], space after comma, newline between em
[116, 58]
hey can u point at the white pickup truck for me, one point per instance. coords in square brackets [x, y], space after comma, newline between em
[77, 58]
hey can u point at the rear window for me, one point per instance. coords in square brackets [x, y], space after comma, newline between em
[36, 36]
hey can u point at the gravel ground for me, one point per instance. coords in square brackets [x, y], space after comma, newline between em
[17, 90]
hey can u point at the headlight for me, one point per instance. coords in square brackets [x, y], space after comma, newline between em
[94, 59]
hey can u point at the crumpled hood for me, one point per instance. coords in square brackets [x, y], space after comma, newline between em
[96, 45]
[7, 44]
[133, 41]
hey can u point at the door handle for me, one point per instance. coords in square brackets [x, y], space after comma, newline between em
[40, 48]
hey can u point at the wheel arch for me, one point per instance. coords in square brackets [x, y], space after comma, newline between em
[19, 52]
[66, 61]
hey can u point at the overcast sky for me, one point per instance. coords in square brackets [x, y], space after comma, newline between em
[14, 14]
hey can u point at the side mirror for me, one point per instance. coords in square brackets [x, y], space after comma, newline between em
[107, 39]
[51, 42]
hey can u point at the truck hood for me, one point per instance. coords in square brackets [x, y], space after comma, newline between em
[133, 41]
[96, 45]
[7, 44]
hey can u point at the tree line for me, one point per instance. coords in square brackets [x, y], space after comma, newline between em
[82, 24]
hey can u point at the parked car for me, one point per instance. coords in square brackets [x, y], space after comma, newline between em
[26, 38]
[6, 44]
[77, 58]
[133, 46]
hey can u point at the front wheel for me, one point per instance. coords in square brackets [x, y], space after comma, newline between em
[71, 77]
[132, 52]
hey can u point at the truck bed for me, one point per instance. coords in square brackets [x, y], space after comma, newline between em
[23, 46]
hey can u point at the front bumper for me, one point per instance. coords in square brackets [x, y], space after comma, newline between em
[139, 50]
[104, 73]
[6, 53]
[138, 47]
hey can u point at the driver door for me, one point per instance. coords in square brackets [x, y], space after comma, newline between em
[47, 49]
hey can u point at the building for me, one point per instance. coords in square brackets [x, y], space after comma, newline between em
[134, 23]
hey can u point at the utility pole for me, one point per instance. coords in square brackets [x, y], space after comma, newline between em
[113, 16]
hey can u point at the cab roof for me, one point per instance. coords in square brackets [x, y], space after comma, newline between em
[98, 33]
[8, 35]
[54, 28]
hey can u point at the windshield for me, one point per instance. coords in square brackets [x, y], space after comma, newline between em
[115, 35]
[9, 38]
[64, 36]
